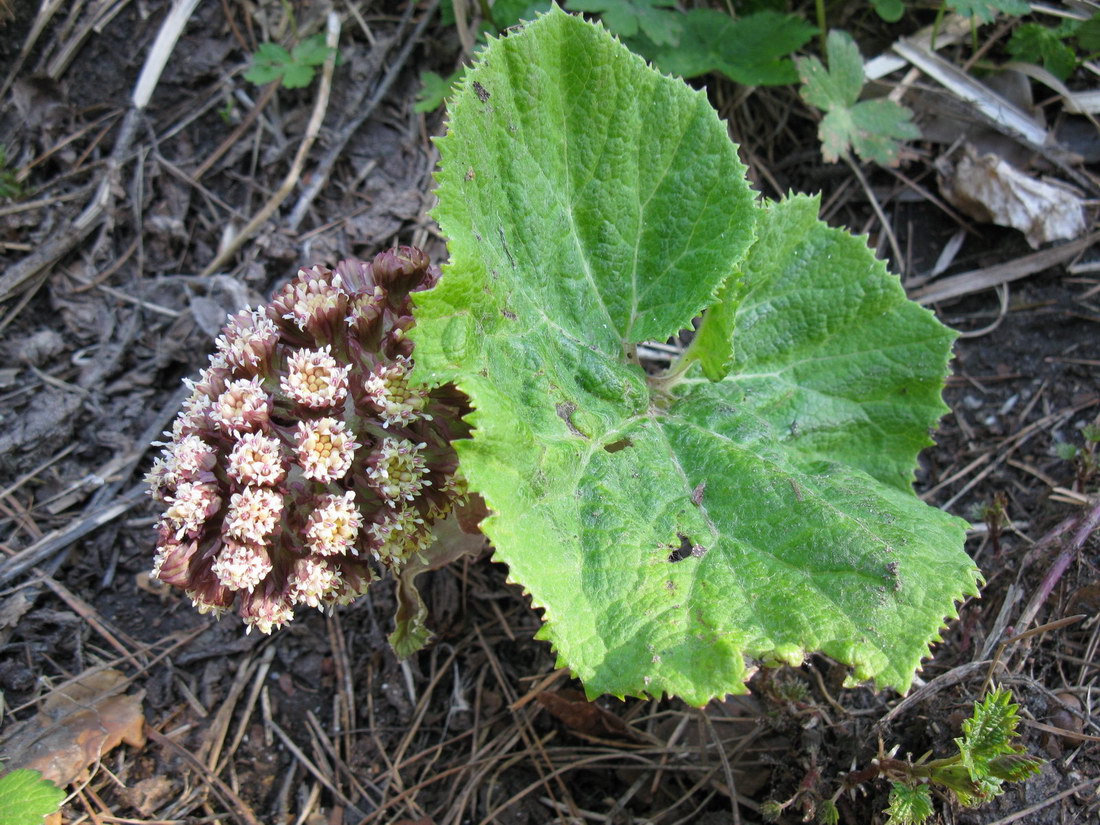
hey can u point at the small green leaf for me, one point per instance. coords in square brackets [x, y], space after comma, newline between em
[986, 10]
[435, 89]
[506, 13]
[10, 187]
[272, 54]
[313, 51]
[26, 798]
[1066, 451]
[261, 75]
[296, 69]
[839, 85]
[990, 730]
[1034, 43]
[751, 50]
[1014, 767]
[889, 10]
[674, 534]
[828, 813]
[909, 805]
[1088, 34]
[712, 346]
[627, 18]
[872, 128]
[297, 75]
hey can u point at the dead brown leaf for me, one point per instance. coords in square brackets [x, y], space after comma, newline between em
[76, 726]
[989, 189]
[149, 794]
[588, 718]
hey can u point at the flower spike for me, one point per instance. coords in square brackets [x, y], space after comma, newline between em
[291, 476]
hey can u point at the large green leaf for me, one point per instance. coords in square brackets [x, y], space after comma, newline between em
[673, 532]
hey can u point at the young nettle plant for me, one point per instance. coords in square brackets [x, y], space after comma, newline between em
[749, 505]
[987, 756]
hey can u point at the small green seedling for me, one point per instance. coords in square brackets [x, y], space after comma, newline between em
[988, 755]
[752, 50]
[26, 798]
[295, 68]
[10, 187]
[436, 89]
[871, 128]
[1049, 46]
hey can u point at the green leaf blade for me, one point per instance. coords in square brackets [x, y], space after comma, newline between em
[672, 538]
[297, 75]
[608, 218]
[26, 798]
[909, 805]
[831, 353]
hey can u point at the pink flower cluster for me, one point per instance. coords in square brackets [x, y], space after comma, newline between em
[304, 462]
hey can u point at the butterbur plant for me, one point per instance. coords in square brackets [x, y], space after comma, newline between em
[749, 505]
[304, 461]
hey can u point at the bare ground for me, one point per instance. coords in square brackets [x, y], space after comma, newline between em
[118, 263]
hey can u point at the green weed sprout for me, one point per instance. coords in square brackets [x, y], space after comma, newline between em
[987, 756]
[294, 68]
[10, 187]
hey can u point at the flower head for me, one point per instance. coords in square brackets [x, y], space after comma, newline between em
[257, 460]
[313, 580]
[334, 525]
[243, 407]
[266, 609]
[242, 565]
[190, 506]
[387, 392]
[191, 457]
[404, 269]
[396, 470]
[253, 514]
[172, 562]
[397, 535]
[314, 301]
[325, 449]
[314, 380]
[248, 340]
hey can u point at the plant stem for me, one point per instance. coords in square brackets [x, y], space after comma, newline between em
[819, 5]
[936, 24]
[662, 385]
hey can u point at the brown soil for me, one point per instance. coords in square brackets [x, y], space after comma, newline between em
[320, 722]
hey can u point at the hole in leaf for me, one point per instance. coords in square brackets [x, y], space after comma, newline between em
[687, 548]
[621, 444]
